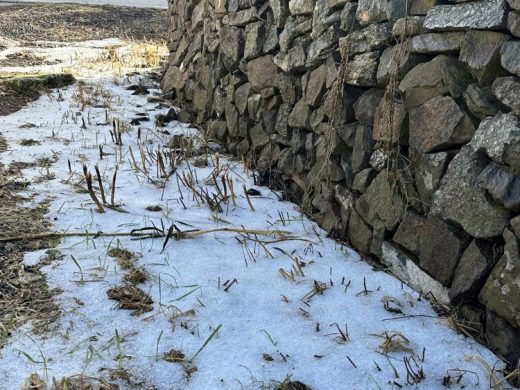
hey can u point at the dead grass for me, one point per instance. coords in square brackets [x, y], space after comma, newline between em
[25, 58]
[124, 257]
[73, 23]
[131, 298]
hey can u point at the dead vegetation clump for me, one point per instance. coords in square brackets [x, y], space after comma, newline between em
[131, 298]
[74, 23]
[123, 256]
[25, 58]
[75, 382]
[136, 276]
[24, 293]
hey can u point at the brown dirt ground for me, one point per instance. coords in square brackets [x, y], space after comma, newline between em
[72, 23]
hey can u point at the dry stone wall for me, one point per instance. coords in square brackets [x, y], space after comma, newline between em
[395, 123]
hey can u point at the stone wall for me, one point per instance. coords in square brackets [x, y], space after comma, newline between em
[395, 123]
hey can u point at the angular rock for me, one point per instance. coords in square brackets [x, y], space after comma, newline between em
[507, 90]
[363, 179]
[479, 15]
[480, 101]
[439, 124]
[316, 86]
[292, 60]
[381, 203]
[441, 76]
[363, 148]
[348, 17]
[429, 169]
[261, 72]
[421, 7]
[397, 61]
[241, 18]
[280, 10]
[258, 136]
[408, 26]
[232, 119]
[374, 37]
[437, 42]
[301, 7]
[407, 235]
[515, 4]
[359, 233]
[288, 34]
[241, 96]
[503, 186]
[282, 119]
[503, 338]
[406, 270]
[361, 71]
[299, 116]
[499, 139]
[271, 39]
[480, 51]
[371, 11]
[472, 271]
[255, 39]
[509, 57]
[501, 293]
[441, 246]
[513, 23]
[515, 226]
[232, 42]
[321, 46]
[460, 200]
[365, 107]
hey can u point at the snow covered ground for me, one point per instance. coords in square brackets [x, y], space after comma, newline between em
[127, 3]
[230, 310]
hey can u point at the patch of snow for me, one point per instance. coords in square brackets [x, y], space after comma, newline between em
[262, 316]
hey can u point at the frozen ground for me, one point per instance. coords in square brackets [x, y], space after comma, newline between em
[127, 3]
[228, 310]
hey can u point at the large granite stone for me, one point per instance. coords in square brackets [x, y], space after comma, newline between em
[437, 43]
[480, 51]
[362, 70]
[509, 57]
[499, 139]
[502, 185]
[513, 23]
[481, 15]
[441, 246]
[381, 202]
[460, 199]
[407, 235]
[441, 76]
[507, 90]
[261, 72]
[371, 11]
[472, 270]
[439, 124]
[429, 169]
[365, 107]
[501, 293]
[480, 101]
[502, 337]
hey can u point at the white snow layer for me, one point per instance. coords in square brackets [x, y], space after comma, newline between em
[261, 313]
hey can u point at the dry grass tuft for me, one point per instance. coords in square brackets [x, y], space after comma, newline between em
[131, 298]
[124, 257]
[136, 276]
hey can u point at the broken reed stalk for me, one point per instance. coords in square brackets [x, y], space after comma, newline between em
[186, 235]
[248, 199]
[100, 181]
[113, 190]
[88, 178]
